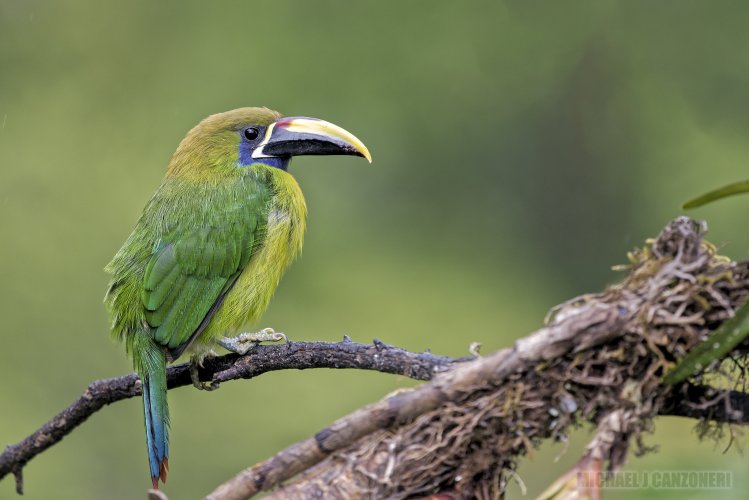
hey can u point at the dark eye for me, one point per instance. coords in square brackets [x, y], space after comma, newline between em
[251, 133]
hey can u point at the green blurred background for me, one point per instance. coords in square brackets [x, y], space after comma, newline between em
[521, 148]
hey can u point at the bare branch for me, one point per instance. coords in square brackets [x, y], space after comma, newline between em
[294, 355]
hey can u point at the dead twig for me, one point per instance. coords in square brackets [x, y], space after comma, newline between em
[294, 355]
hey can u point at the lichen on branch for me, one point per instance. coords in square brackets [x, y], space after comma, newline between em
[599, 359]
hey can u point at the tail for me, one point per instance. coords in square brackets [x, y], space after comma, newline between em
[151, 365]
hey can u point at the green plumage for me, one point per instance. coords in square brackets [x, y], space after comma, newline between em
[195, 265]
[211, 245]
[187, 250]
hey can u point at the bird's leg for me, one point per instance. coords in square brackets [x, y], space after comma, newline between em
[196, 361]
[245, 342]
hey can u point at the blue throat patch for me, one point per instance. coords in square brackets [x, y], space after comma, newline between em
[246, 159]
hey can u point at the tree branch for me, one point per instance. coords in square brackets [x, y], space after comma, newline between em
[590, 327]
[601, 359]
[262, 359]
[726, 406]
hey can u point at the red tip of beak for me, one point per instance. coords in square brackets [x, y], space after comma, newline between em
[284, 122]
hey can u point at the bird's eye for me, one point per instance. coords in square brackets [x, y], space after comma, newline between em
[251, 133]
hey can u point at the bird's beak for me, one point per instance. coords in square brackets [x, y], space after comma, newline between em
[299, 135]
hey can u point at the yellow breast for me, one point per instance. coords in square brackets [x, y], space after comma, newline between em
[248, 299]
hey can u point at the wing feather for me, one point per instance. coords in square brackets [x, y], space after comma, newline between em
[193, 268]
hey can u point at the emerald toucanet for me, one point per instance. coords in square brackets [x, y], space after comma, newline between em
[210, 247]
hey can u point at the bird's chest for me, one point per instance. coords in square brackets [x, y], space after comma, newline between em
[286, 223]
[282, 242]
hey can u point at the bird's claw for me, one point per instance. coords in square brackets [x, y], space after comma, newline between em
[245, 342]
[205, 355]
[196, 362]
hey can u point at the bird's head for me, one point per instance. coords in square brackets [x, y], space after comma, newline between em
[227, 143]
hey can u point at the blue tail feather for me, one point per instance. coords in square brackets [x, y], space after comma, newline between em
[156, 413]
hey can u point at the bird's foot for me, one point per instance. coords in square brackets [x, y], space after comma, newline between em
[245, 342]
[196, 362]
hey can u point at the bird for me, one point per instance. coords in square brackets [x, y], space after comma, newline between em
[210, 248]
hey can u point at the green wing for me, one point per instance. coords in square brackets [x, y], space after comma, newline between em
[190, 273]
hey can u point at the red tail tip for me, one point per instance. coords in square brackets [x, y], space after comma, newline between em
[163, 470]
